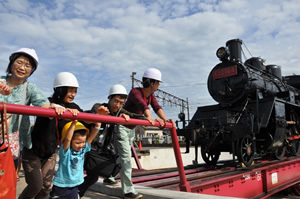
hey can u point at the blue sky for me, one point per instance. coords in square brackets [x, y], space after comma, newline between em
[103, 42]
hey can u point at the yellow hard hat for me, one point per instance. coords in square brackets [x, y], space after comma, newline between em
[79, 126]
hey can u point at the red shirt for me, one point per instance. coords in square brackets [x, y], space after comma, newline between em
[137, 103]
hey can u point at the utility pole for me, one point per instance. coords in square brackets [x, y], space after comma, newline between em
[132, 79]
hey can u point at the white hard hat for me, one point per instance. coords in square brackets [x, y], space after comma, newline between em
[29, 51]
[153, 73]
[117, 89]
[65, 79]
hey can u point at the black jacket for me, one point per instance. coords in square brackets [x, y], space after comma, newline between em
[108, 129]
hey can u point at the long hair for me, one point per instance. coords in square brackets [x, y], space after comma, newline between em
[59, 94]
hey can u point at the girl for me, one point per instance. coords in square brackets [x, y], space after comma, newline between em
[39, 161]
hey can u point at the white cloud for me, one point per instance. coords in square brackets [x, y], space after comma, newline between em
[103, 42]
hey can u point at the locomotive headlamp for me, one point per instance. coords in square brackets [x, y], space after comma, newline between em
[181, 116]
[222, 53]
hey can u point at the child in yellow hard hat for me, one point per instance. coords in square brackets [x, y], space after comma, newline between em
[76, 141]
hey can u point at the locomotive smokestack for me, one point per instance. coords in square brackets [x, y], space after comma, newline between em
[235, 49]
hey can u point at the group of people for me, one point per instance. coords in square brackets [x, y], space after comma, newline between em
[38, 145]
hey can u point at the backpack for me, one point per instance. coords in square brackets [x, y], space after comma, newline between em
[45, 137]
[104, 142]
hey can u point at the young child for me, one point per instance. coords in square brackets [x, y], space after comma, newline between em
[76, 141]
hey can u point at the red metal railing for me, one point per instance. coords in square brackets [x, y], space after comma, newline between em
[43, 112]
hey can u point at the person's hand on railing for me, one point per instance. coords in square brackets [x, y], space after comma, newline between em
[102, 110]
[75, 112]
[126, 117]
[161, 121]
[172, 121]
[150, 119]
[59, 110]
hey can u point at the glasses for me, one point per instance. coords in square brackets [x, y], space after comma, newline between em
[118, 102]
[20, 63]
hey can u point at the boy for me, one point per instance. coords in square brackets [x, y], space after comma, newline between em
[76, 142]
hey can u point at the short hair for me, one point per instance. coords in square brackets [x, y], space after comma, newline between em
[122, 96]
[15, 56]
[147, 81]
[80, 132]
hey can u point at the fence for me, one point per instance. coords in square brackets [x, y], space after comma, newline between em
[44, 112]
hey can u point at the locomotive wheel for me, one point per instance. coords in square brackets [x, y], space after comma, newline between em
[245, 150]
[280, 152]
[210, 157]
[295, 147]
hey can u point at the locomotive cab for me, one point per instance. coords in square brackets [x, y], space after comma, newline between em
[293, 80]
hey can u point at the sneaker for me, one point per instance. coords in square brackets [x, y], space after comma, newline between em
[133, 196]
[107, 181]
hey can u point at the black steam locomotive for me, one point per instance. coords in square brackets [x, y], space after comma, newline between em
[258, 112]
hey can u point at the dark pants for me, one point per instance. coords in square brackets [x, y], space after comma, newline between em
[64, 192]
[16, 162]
[39, 174]
[89, 180]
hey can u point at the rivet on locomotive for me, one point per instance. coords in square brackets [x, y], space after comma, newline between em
[257, 112]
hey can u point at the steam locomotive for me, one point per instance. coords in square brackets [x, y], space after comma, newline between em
[258, 110]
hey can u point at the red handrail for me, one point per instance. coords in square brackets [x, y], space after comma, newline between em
[184, 184]
[48, 112]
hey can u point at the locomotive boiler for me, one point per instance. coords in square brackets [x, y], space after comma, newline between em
[257, 112]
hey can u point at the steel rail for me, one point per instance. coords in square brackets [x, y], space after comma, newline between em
[49, 112]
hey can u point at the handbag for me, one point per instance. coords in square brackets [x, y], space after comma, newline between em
[14, 144]
[12, 137]
[103, 159]
[8, 176]
[103, 165]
